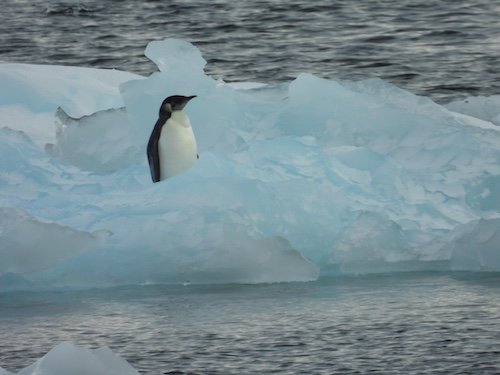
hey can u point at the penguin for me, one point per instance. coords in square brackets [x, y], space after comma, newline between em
[172, 145]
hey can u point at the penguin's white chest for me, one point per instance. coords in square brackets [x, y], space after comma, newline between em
[177, 146]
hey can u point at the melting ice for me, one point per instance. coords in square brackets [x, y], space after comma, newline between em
[294, 180]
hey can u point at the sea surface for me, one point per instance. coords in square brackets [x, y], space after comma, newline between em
[402, 323]
[413, 323]
[444, 49]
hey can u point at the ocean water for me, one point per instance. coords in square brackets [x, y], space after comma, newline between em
[401, 323]
[417, 323]
[442, 49]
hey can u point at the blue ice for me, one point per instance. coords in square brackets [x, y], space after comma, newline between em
[295, 180]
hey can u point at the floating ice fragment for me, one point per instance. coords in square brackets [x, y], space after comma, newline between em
[68, 359]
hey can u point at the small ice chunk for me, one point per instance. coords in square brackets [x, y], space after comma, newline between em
[66, 359]
[181, 55]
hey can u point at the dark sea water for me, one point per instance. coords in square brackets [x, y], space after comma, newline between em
[386, 324]
[444, 49]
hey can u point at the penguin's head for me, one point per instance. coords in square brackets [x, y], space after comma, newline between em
[174, 103]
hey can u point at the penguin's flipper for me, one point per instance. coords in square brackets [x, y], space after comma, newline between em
[154, 162]
[153, 153]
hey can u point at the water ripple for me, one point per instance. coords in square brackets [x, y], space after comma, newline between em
[411, 324]
[444, 50]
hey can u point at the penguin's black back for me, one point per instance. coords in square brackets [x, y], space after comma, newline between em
[153, 153]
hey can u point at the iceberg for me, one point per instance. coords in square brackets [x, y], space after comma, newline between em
[295, 180]
[66, 358]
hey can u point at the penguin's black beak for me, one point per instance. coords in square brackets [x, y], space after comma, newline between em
[186, 100]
